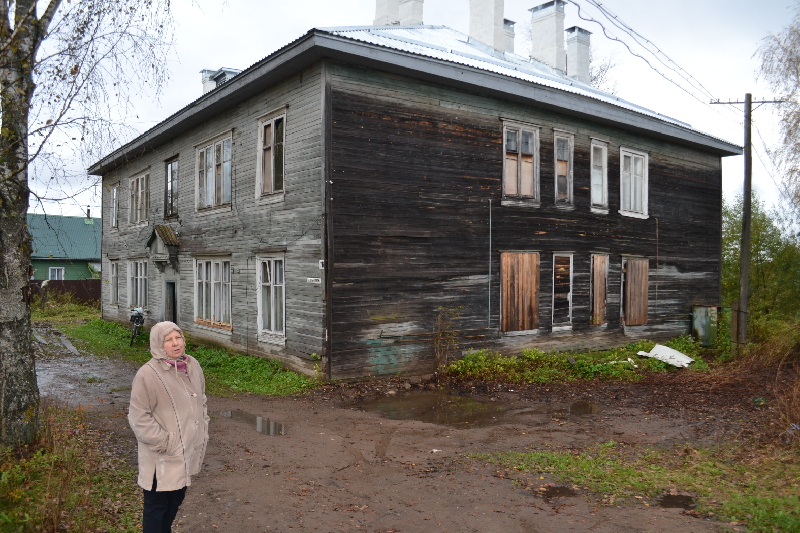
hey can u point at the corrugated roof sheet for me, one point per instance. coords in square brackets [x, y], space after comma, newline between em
[441, 42]
[60, 237]
[167, 234]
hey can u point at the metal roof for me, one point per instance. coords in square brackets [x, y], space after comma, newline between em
[434, 53]
[60, 237]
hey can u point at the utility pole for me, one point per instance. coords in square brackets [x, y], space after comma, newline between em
[740, 316]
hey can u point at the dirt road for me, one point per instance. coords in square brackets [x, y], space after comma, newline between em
[343, 465]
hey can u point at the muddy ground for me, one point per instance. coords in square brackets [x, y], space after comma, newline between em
[386, 456]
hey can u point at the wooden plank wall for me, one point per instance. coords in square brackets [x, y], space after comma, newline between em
[414, 166]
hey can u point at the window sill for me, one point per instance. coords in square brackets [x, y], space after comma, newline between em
[217, 327]
[557, 329]
[272, 338]
[599, 210]
[563, 206]
[633, 214]
[141, 223]
[520, 333]
[271, 197]
[213, 209]
[514, 202]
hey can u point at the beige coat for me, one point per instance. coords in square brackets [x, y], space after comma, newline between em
[168, 415]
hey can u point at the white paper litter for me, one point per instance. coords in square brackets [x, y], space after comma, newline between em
[631, 361]
[668, 355]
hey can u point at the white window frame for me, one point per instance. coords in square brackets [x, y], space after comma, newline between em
[602, 205]
[171, 171]
[271, 334]
[58, 271]
[521, 128]
[562, 326]
[137, 283]
[212, 292]
[139, 211]
[206, 198]
[570, 138]
[114, 213]
[263, 189]
[629, 212]
[114, 280]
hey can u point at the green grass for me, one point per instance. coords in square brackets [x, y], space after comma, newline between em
[62, 308]
[758, 487]
[226, 372]
[535, 366]
[67, 480]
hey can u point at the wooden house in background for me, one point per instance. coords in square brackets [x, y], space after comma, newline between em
[332, 198]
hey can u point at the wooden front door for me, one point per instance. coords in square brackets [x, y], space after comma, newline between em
[170, 307]
[519, 291]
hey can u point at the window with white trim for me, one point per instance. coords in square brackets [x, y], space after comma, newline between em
[562, 290]
[114, 214]
[140, 198]
[270, 157]
[521, 161]
[599, 180]
[214, 173]
[56, 273]
[633, 183]
[171, 185]
[563, 159]
[114, 282]
[137, 286]
[212, 297]
[271, 296]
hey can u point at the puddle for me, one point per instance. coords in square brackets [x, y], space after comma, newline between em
[584, 408]
[557, 491]
[677, 501]
[262, 425]
[438, 407]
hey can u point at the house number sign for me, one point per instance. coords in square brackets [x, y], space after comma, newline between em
[313, 280]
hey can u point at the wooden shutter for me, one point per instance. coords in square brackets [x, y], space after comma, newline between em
[599, 276]
[636, 283]
[519, 291]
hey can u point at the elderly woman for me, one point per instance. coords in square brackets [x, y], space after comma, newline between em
[168, 415]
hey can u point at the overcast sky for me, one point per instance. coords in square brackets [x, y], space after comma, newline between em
[713, 40]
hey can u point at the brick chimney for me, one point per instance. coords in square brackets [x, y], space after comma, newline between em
[387, 12]
[508, 27]
[410, 12]
[578, 54]
[547, 34]
[486, 23]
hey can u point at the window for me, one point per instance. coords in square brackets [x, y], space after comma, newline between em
[56, 273]
[214, 174]
[114, 282]
[137, 295]
[635, 278]
[270, 160]
[213, 292]
[562, 290]
[140, 198]
[599, 175]
[519, 291]
[171, 193]
[633, 183]
[271, 296]
[114, 206]
[563, 156]
[599, 289]
[520, 173]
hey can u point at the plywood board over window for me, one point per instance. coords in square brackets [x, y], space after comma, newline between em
[599, 288]
[519, 291]
[637, 277]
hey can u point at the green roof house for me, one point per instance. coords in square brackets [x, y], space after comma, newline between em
[65, 248]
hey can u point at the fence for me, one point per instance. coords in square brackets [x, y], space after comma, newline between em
[85, 290]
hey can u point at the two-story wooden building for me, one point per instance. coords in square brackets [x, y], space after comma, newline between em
[331, 198]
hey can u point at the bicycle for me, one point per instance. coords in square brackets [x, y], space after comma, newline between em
[137, 319]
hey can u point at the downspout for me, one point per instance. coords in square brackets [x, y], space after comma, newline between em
[489, 315]
[327, 205]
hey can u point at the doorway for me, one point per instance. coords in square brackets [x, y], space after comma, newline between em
[170, 302]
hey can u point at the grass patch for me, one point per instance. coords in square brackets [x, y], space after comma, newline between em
[67, 480]
[758, 488]
[535, 366]
[62, 308]
[226, 372]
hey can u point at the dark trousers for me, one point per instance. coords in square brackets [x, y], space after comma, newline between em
[160, 509]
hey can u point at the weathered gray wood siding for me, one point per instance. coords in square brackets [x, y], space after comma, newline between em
[244, 230]
[414, 166]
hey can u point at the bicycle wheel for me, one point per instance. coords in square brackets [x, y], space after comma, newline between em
[134, 333]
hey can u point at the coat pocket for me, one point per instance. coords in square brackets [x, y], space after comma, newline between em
[174, 446]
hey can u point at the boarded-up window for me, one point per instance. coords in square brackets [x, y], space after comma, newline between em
[519, 178]
[562, 290]
[599, 288]
[519, 291]
[636, 273]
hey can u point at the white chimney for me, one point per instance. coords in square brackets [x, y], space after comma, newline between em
[208, 82]
[410, 12]
[547, 34]
[578, 54]
[508, 26]
[214, 78]
[486, 23]
[387, 12]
